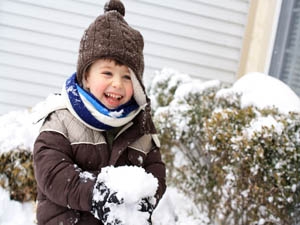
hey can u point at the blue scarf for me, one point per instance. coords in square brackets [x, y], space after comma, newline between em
[79, 98]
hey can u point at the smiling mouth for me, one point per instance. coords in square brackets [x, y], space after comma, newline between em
[113, 96]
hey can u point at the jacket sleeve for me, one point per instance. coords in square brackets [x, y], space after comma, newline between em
[56, 174]
[154, 164]
[146, 153]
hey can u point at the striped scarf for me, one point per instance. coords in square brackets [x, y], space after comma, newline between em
[90, 111]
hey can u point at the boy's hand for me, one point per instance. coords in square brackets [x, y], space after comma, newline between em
[102, 199]
[147, 205]
[117, 202]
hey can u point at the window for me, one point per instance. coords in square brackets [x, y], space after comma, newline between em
[285, 62]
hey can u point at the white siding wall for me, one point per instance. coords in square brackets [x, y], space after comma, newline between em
[39, 41]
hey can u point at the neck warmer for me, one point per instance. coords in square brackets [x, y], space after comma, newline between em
[85, 107]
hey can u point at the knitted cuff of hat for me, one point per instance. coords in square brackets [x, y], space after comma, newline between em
[84, 106]
[138, 91]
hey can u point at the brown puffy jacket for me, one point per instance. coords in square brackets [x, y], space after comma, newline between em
[65, 148]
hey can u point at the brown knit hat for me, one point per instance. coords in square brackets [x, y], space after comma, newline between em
[109, 36]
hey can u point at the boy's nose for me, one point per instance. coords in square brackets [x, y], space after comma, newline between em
[116, 83]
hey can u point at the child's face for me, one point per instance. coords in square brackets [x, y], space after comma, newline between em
[109, 83]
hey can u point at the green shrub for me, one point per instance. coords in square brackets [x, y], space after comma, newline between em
[241, 165]
[17, 176]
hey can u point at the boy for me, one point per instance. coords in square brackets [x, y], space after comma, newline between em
[104, 121]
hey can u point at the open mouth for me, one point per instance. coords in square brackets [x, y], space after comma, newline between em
[113, 100]
[113, 96]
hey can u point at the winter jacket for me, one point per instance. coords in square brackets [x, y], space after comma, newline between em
[66, 149]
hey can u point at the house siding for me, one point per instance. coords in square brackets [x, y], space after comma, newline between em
[39, 41]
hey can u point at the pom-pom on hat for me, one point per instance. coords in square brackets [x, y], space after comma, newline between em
[109, 36]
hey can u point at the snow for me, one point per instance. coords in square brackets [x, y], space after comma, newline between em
[263, 91]
[131, 183]
[15, 213]
[257, 124]
[173, 209]
[173, 76]
[194, 87]
[116, 114]
[170, 76]
[85, 176]
[17, 130]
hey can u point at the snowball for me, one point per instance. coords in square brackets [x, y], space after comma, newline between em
[130, 182]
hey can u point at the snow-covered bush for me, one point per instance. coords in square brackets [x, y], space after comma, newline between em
[257, 170]
[16, 174]
[17, 135]
[240, 164]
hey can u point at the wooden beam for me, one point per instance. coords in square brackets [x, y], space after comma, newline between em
[258, 38]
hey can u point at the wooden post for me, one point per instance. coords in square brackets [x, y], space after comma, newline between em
[258, 38]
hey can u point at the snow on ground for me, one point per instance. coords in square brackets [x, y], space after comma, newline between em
[15, 213]
[173, 209]
[17, 130]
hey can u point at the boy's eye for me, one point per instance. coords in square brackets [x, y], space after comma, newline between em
[107, 73]
[127, 77]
